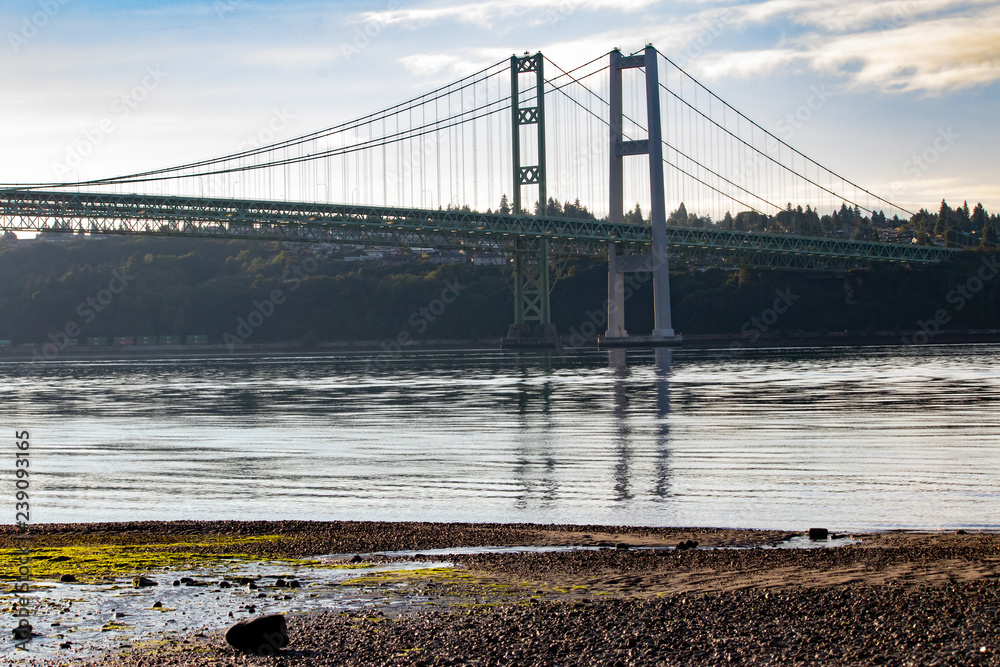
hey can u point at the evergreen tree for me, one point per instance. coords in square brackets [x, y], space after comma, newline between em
[634, 217]
[678, 218]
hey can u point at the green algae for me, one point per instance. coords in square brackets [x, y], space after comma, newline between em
[94, 561]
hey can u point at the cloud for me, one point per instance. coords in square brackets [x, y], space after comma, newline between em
[488, 14]
[840, 16]
[933, 56]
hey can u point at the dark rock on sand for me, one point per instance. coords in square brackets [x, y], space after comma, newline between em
[265, 635]
[818, 533]
[67, 578]
[142, 582]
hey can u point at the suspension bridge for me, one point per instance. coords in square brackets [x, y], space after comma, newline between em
[436, 172]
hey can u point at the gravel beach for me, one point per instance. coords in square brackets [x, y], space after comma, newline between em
[893, 598]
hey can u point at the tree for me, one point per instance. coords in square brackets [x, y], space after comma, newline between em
[634, 217]
[921, 223]
[964, 222]
[504, 206]
[678, 218]
[980, 221]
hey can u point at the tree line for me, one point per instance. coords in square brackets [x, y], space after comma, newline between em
[180, 287]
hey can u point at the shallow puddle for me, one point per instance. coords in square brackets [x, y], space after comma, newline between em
[95, 619]
[795, 542]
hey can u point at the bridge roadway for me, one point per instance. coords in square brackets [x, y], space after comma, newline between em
[155, 215]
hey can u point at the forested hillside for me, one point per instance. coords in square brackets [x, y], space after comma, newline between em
[177, 287]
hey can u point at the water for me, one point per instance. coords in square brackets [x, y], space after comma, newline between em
[850, 439]
[97, 619]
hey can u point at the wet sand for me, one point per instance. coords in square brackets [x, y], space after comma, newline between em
[891, 599]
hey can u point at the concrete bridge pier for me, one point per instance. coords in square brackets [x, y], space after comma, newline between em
[656, 262]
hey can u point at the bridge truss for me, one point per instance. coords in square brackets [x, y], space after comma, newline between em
[200, 217]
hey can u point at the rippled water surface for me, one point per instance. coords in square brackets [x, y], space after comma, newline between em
[846, 438]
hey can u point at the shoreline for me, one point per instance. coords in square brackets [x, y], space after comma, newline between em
[385, 351]
[893, 598]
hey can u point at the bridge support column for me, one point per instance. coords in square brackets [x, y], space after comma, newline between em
[657, 262]
[616, 296]
[532, 325]
[663, 322]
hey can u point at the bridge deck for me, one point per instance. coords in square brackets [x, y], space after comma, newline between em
[138, 214]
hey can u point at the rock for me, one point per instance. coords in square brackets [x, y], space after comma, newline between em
[157, 605]
[281, 583]
[60, 559]
[224, 584]
[621, 546]
[22, 631]
[355, 559]
[142, 582]
[818, 533]
[176, 582]
[65, 645]
[187, 581]
[67, 578]
[264, 635]
[294, 583]
[251, 586]
[961, 532]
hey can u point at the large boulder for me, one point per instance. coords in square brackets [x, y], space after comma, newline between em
[264, 635]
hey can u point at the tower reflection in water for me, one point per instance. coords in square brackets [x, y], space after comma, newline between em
[624, 449]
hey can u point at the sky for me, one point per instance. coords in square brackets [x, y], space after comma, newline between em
[900, 96]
